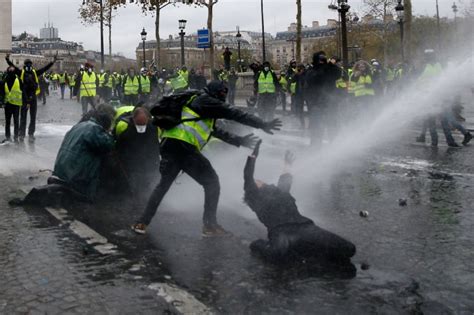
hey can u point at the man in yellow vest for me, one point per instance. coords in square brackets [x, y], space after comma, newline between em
[71, 83]
[144, 85]
[13, 101]
[267, 86]
[86, 84]
[63, 79]
[182, 146]
[131, 86]
[29, 78]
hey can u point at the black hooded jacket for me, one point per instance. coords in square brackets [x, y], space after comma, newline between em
[29, 86]
[320, 83]
[208, 106]
[274, 205]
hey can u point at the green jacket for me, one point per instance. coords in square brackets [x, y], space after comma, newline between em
[80, 156]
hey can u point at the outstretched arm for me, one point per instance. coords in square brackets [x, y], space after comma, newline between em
[249, 170]
[47, 67]
[214, 108]
[11, 64]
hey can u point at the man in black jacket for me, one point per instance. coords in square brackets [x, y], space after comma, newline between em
[180, 151]
[291, 236]
[29, 78]
[138, 150]
[319, 90]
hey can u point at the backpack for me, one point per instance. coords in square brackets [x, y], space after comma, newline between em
[168, 112]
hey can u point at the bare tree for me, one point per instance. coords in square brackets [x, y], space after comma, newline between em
[298, 31]
[408, 17]
[89, 13]
[209, 4]
[155, 7]
[382, 10]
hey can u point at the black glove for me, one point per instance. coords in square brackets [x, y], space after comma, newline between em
[248, 141]
[270, 126]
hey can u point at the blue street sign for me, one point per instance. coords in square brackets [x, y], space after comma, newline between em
[203, 38]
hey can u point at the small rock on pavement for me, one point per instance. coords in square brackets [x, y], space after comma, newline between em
[364, 213]
[402, 202]
[364, 266]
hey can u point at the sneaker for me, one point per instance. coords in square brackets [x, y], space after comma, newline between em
[214, 231]
[139, 228]
[453, 145]
[6, 141]
[31, 138]
[467, 138]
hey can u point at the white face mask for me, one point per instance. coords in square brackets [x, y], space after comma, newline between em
[89, 70]
[266, 69]
[141, 128]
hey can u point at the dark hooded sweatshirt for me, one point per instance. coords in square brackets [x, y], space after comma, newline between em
[273, 205]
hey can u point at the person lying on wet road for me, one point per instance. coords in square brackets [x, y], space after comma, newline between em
[291, 236]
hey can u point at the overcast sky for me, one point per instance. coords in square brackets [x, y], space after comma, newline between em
[30, 16]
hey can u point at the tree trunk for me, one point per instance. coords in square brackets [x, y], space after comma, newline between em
[407, 31]
[211, 35]
[298, 31]
[157, 37]
[110, 31]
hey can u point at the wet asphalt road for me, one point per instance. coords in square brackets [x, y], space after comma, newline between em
[419, 257]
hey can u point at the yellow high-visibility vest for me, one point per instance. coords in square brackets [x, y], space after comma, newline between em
[88, 85]
[131, 86]
[361, 89]
[14, 96]
[145, 83]
[266, 84]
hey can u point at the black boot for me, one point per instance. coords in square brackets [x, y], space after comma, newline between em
[421, 139]
[467, 138]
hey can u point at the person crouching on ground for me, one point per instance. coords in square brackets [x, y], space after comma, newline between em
[291, 236]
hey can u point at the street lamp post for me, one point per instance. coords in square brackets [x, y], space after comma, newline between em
[438, 25]
[400, 13]
[264, 55]
[101, 4]
[182, 26]
[239, 38]
[343, 8]
[143, 34]
[455, 11]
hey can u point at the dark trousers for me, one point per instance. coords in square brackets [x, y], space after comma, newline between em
[62, 86]
[106, 94]
[12, 111]
[266, 106]
[448, 121]
[177, 156]
[32, 107]
[231, 95]
[86, 100]
[322, 118]
[300, 241]
[430, 124]
[131, 100]
[282, 98]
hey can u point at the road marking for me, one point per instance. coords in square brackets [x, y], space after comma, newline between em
[182, 300]
[99, 242]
